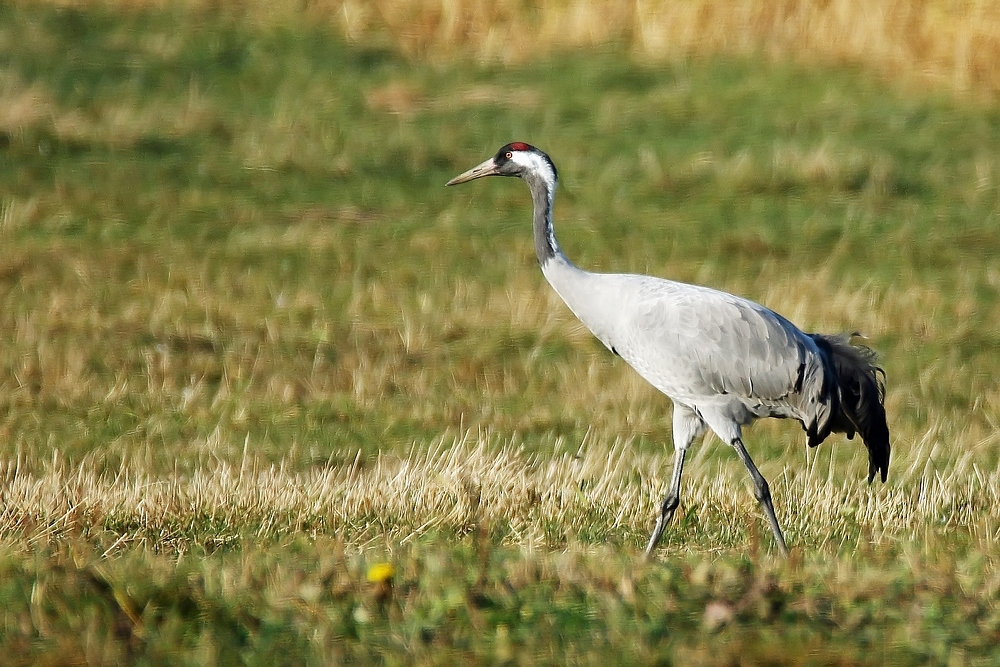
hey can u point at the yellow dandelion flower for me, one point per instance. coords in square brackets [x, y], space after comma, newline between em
[381, 573]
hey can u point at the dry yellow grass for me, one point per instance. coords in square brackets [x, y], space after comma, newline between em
[536, 502]
[955, 43]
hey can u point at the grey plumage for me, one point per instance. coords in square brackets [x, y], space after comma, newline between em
[723, 360]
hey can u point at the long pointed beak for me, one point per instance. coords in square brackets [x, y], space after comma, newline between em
[488, 168]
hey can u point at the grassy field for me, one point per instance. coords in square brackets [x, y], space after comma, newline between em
[252, 349]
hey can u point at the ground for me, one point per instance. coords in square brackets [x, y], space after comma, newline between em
[272, 394]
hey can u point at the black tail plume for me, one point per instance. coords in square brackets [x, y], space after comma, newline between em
[862, 397]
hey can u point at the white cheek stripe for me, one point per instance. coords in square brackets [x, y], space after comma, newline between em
[537, 164]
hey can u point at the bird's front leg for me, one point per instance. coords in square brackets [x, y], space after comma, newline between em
[762, 492]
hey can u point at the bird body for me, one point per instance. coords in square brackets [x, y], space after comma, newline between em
[724, 361]
[709, 350]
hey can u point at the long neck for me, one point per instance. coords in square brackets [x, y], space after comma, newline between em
[542, 196]
[580, 290]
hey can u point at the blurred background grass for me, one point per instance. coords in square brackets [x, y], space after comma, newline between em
[952, 43]
[225, 244]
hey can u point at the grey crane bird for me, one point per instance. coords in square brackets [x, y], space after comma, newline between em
[724, 361]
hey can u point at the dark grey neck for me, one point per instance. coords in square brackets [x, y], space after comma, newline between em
[545, 238]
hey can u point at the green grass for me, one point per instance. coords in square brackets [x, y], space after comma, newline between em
[459, 603]
[238, 308]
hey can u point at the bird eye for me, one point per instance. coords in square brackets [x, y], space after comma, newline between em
[509, 155]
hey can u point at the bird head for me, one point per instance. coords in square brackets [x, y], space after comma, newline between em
[514, 159]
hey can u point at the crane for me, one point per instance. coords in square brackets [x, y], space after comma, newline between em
[724, 361]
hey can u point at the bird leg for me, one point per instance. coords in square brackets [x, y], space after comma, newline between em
[670, 503]
[763, 494]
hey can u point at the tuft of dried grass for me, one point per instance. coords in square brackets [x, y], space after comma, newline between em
[32, 108]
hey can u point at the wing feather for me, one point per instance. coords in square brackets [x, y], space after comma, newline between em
[692, 342]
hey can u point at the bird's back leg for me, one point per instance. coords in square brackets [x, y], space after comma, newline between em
[687, 426]
[670, 503]
[763, 494]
